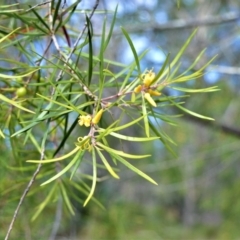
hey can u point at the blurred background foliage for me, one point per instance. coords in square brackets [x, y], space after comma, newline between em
[199, 188]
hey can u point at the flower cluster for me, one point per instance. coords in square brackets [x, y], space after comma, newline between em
[148, 78]
[85, 120]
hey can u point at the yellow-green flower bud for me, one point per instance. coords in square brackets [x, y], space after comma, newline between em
[133, 97]
[148, 97]
[154, 93]
[97, 117]
[138, 89]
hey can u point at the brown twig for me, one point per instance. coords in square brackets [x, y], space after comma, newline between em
[184, 24]
[225, 69]
[24, 195]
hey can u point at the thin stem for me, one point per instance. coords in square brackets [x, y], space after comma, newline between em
[37, 5]
[24, 195]
[77, 41]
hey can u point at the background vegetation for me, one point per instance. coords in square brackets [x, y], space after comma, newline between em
[197, 171]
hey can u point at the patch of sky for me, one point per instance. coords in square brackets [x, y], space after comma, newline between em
[161, 17]
[211, 77]
[147, 4]
[129, 7]
[111, 5]
[140, 43]
[173, 92]
[212, 51]
[156, 55]
[153, 59]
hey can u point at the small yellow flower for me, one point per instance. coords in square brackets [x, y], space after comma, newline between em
[97, 117]
[148, 78]
[85, 120]
[88, 119]
[148, 97]
[81, 120]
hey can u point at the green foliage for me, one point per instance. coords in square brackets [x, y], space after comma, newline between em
[65, 121]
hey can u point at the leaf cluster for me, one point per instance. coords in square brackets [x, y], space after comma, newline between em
[65, 86]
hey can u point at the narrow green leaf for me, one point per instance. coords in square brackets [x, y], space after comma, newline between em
[8, 6]
[201, 90]
[1, 134]
[56, 11]
[85, 192]
[94, 181]
[180, 53]
[126, 125]
[211, 60]
[44, 203]
[31, 125]
[129, 138]
[11, 11]
[145, 117]
[163, 138]
[18, 76]
[66, 199]
[7, 100]
[64, 170]
[5, 37]
[194, 63]
[162, 69]
[56, 159]
[103, 133]
[121, 153]
[134, 169]
[69, 102]
[76, 167]
[187, 78]
[107, 145]
[133, 49]
[190, 112]
[130, 69]
[56, 102]
[133, 97]
[111, 29]
[41, 20]
[105, 162]
[182, 50]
